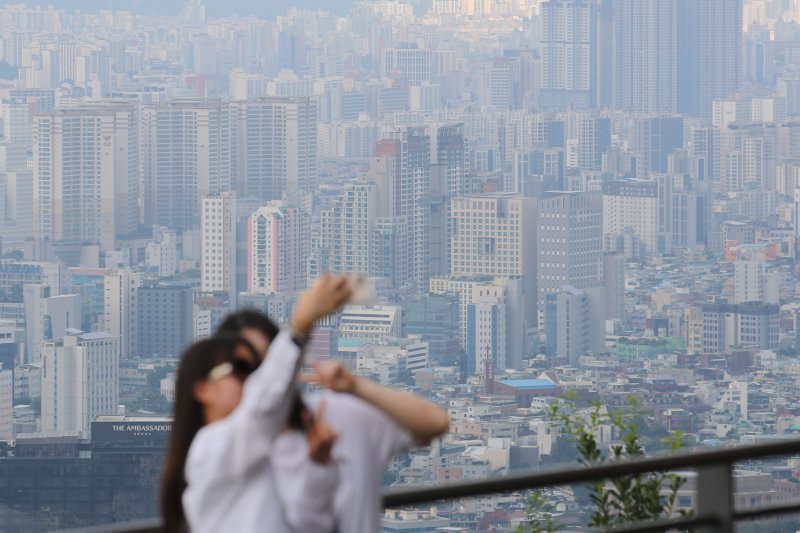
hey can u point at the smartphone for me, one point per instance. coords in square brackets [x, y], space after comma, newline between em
[361, 288]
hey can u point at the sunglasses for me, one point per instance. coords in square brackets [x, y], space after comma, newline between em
[238, 367]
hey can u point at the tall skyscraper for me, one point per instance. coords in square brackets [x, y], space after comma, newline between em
[630, 205]
[86, 173]
[409, 63]
[47, 316]
[165, 316]
[218, 244]
[573, 322]
[409, 148]
[491, 238]
[614, 281]
[80, 380]
[449, 165]
[16, 196]
[16, 114]
[278, 246]
[570, 242]
[655, 139]
[186, 155]
[710, 53]
[346, 230]
[275, 146]
[646, 55]
[594, 138]
[569, 59]
[119, 308]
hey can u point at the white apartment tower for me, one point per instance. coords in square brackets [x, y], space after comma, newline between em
[16, 195]
[490, 317]
[86, 173]
[80, 380]
[409, 155]
[346, 230]
[218, 244]
[277, 249]
[495, 235]
[630, 205]
[120, 311]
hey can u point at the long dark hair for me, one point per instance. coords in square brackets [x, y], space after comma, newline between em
[196, 363]
[250, 318]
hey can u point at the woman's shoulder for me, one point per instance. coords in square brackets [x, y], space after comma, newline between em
[207, 440]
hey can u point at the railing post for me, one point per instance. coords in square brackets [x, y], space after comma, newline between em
[715, 496]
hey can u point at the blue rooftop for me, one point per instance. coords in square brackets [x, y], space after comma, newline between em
[529, 383]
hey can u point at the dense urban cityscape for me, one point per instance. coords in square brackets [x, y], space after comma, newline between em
[562, 206]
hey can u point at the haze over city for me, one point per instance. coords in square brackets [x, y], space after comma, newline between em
[564, 220]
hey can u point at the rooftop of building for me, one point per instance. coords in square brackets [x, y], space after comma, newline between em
[528, 383]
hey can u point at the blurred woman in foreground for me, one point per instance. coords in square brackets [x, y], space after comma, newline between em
[373, 423]
[219, 474]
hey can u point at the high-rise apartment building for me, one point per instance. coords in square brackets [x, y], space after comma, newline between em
[165, 319]
[676, 55]
[655, 139]
[278, 247]
[573, 322]
[710, 53]
[346, 230]
[408, 150]
[449, 165]
[494, 235]
[16, 114]
[614, 282]
[410, 63]
[570, 242]
[119, 308]
[218, 244]
[47, 316]
[568, 54]
[275, 146]
[86, 173]
[594, 138]
[186, 155]
[501, 83]
[80, 380]
[16, 195]
[630, 205]
[646, 55]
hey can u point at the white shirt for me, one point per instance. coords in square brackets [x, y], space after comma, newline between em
[229, 469]
[368, 439]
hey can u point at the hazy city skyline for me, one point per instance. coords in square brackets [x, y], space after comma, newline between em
[551, 204]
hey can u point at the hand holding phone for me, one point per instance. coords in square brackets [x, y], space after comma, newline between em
[362, 291]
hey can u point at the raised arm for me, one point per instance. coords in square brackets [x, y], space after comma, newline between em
[423, 419]
[268, 391]
[245, 437]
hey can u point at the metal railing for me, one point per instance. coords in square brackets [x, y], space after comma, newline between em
[715, 512]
